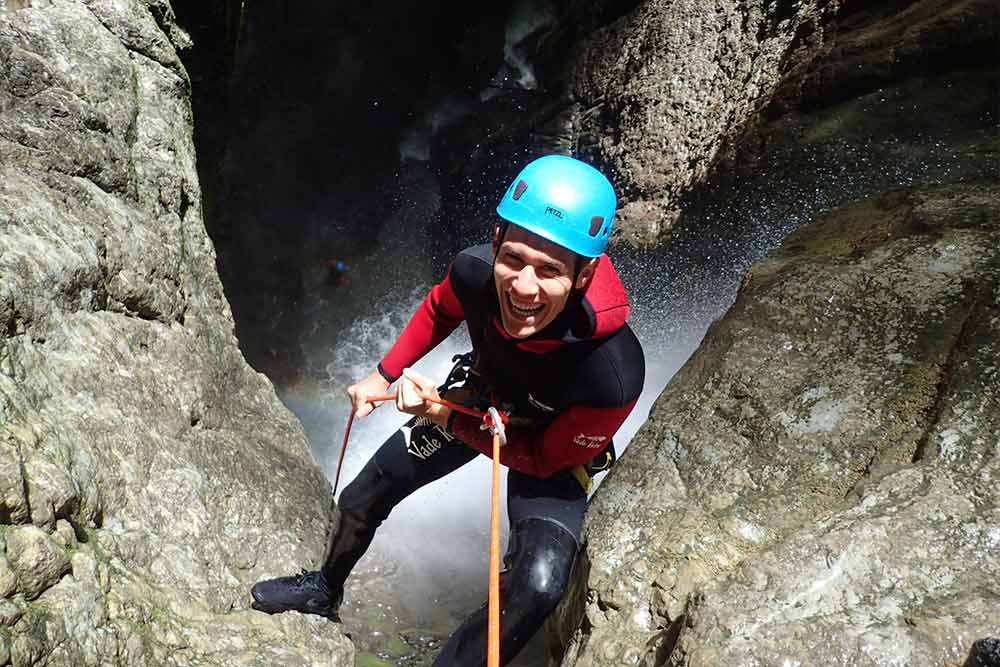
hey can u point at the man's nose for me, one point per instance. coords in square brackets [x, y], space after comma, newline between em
[526, 282]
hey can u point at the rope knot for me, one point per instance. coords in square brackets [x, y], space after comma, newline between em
[496, 422]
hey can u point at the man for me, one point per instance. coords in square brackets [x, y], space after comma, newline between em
[546, 313]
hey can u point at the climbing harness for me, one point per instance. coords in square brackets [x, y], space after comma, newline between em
[602, 462]
[495, 421]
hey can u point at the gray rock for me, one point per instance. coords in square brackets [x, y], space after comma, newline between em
[10, 613]
[821, 470]
[900, 576]
[666, 92]
[64, 535]
[52, 492]
[8, 580]
[665, 88]
[128, 416]
[13, 503]
[36, 560]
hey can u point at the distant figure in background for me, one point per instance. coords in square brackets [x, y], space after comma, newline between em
[546, 314]
[335, 272]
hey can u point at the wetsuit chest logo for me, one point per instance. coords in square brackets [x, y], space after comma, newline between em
[589, 441]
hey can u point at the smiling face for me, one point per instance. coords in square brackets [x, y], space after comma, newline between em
[534, 278]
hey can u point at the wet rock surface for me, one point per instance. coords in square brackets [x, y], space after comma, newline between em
[147, 475]
[877, 44]
[662, 91]
[817, 483]
[664, 94]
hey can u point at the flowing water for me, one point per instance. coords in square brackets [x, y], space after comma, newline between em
[426, 569]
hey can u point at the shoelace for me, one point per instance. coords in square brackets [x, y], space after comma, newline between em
[302, 577]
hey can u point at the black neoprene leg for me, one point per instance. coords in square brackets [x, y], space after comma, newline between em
[413, 456]
[356, 524]
[539, 561]
[546, 516]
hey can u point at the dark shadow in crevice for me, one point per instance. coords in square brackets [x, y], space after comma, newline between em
[985, 653]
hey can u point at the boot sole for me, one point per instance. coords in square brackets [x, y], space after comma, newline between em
[260, 605]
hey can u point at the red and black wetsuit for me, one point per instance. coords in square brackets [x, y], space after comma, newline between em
[568, 389]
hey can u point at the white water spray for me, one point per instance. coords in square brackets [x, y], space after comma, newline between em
[525, 19]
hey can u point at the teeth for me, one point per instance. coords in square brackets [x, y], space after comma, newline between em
[524, 311]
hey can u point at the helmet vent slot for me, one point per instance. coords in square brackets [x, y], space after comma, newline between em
[595, 224]
[519, 190]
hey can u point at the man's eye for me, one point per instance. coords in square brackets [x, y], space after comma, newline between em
[550, 271]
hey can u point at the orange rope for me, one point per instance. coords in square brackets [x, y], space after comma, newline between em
[493, 627]
[343, 450]
[493, 623]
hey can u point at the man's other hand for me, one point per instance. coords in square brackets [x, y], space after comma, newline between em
[361, 393]
[413, 387]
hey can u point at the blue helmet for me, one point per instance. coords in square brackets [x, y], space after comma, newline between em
[563, 200]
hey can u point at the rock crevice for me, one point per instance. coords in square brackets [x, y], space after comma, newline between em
[983, 290]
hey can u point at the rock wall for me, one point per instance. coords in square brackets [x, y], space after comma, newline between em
[665, 94]
[147, 475]
[662, 91]
[817, 485]
[655, 98]
[872, 45]
[811, 482]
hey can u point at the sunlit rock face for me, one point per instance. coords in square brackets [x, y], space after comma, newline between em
[817, 485]
[140, 456]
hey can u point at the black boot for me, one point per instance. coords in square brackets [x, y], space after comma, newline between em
[307, 593]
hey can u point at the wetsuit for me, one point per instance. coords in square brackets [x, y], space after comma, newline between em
[568, 388]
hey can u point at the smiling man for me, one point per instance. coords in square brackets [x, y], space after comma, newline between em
[546, 314]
